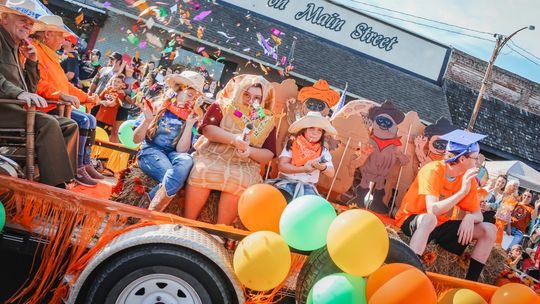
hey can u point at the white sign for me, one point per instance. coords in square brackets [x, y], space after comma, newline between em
[384, 42]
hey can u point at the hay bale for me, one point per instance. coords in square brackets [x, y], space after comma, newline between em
[436, 259]
[135, 183]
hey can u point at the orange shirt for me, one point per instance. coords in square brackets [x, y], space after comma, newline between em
[105, 114]
[53, 79]
[521, 217]
[432, 180]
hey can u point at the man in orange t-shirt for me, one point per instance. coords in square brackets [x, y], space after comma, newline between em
[424, 214]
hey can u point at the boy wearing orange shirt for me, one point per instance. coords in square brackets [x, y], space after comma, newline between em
[425, 211]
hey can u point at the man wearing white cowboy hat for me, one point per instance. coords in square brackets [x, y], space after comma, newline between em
[19, 76]
[305, 156]
[54, 85]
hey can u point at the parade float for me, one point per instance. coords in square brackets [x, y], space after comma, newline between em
[96, 250]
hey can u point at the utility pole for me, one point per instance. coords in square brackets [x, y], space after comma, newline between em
[499, 44]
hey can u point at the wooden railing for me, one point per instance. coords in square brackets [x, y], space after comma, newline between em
[29, 131]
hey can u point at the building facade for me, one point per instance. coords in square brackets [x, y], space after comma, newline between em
[327, 40]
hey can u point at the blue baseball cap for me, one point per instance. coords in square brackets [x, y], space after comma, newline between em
[462, 142]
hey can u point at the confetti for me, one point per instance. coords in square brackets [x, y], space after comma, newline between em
[150, 23]
[200, 32]
[194, 131]
[225, 35]
[195, 4]
[283, 60]
[238, 114]
[133, 39]
[79, 18]
[136, 58]
[268, 49]
[143, 45]
[154, 40]
[205, 54]
[163, 12]
[202, 15]
[168, 50]
[277, 32]
[264, 69]
[200, 49]
[220, 58]
[107, 4]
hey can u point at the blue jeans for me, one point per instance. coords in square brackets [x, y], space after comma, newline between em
[171, 169]
[518, 236]
[87, 126]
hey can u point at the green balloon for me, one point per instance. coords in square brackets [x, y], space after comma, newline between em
[339, 288]
[125, 134]
[305, 221]
[2, 216]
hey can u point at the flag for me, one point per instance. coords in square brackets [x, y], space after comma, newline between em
[341, 102]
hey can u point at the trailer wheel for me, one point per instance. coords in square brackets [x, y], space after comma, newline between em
[158, 274]
[320, 264]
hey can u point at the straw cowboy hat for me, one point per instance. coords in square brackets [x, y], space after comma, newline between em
[25, 8]
[312, 120]
[51, 23]
[191, 79]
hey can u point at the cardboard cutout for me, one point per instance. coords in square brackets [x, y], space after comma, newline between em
[430, 146]
[387, 151]
[284, 91]
[353, 128]
[401, 176]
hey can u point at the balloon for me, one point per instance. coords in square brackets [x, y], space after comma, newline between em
[338, 288]
[125, 134]
[102, 134]
[305, 221]
[399, 283]
[357, 242]
[2, 216]
[514, 293]
[260, 207]
[262, 260]
[461, 296]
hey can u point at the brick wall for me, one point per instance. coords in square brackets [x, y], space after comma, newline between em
[511, 88]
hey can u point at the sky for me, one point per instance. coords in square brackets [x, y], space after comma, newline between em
[492, 16]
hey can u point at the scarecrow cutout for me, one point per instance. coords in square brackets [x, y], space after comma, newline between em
[317, 98]
[436, 146]
[386, 144]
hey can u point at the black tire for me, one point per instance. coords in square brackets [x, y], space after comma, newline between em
[107, 282]
[320, 264]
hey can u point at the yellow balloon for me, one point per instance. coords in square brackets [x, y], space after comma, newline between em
[262, 260]
[461, 296]
[357, 242]
[101, 134]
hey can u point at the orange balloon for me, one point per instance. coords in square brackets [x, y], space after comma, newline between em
[260, 207]
[514, 293]
[399, 283]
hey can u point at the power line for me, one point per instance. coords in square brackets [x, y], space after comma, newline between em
[423, 18]
[525, 57]
[524, 50]
[426, 25]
